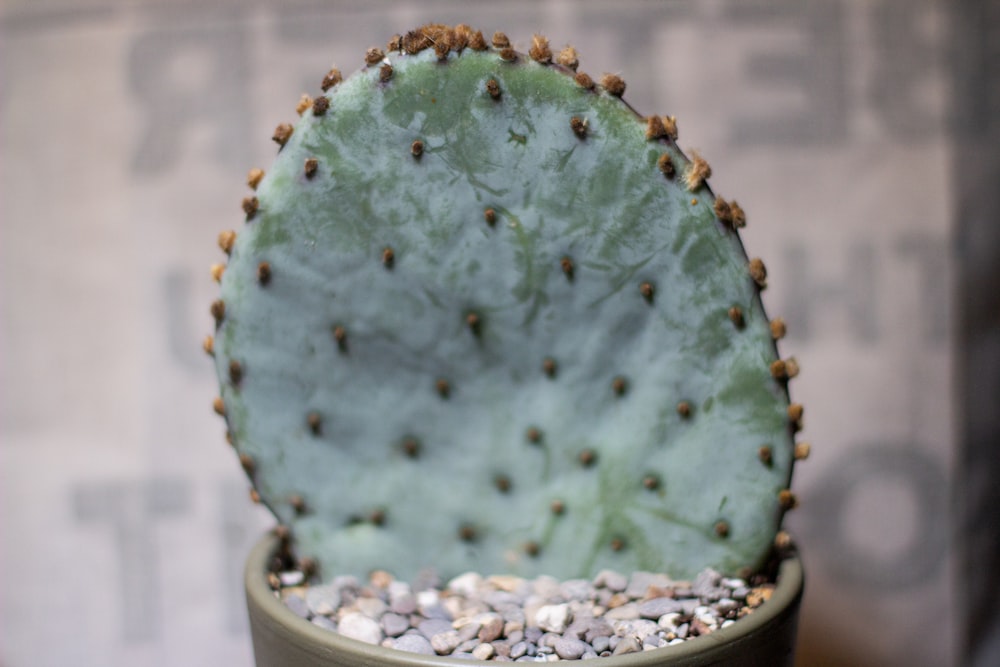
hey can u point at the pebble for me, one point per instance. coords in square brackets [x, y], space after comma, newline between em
[358, 626]
[553, 617]
[483, 652]
[627, 645]
[507, 618]
[298, 606]
[413, 644]
[657, 607]
[444, 643]
[394, 625]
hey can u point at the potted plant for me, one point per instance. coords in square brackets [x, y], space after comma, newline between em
[483, 316]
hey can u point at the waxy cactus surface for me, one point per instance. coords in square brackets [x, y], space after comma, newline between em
[483, 316]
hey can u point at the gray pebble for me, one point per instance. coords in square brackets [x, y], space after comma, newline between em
[568, 648]
[706, 585]
[413, 644]
[627, 645]
[514, 615]
[613, 581]
[403, 604]
[600, 643]
[726, 606]
[370, 607]
[657, 607]
[518, 649]
[576, 589]
[444, 643]
[433, 626]
[500, 600]
[298, 605]
[394, 625]
[323, 600]
[515, 636]
[469, 631]
[467, 646]
[642, 581]
[626, 612]
[598, 627]
[324, 622]
[358, 626]
[652, 641]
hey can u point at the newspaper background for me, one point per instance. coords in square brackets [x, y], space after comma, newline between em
[127, 128]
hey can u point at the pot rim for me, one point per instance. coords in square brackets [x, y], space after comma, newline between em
[784, 602]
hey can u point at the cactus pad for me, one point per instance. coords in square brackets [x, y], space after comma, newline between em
[483, 316]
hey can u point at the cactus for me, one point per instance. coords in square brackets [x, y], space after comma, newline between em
[484, 316]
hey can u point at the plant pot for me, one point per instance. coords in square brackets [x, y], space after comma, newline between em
[765, 638]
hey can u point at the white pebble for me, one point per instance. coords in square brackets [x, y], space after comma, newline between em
[483, 652]
[358, 626]
[466, 584]
[553, 617]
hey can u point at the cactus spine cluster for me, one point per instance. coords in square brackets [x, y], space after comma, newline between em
[484, 316]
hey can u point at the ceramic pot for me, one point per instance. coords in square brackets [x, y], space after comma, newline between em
[765, 638]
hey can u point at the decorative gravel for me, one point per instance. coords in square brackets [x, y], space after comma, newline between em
[507, 618]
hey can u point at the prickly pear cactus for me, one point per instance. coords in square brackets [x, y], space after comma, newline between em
[483, 316]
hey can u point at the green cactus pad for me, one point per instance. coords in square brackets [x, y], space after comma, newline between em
[472, 323]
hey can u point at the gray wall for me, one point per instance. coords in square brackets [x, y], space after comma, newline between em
[858, 135]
